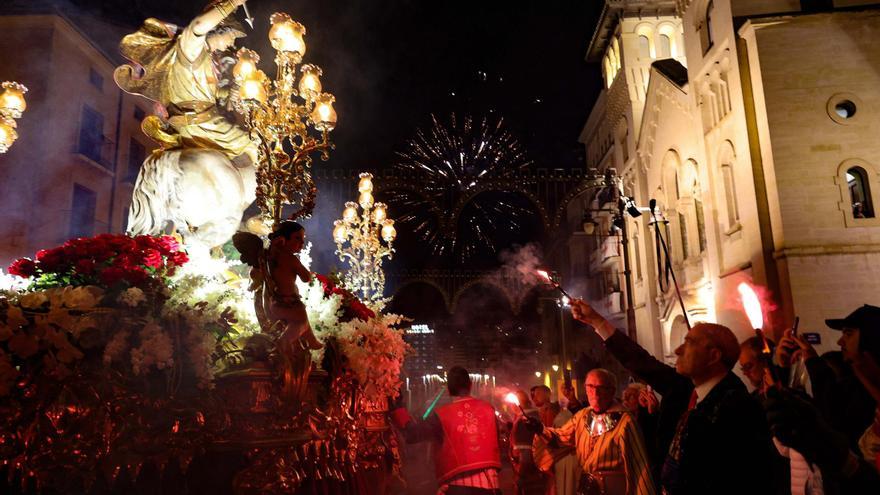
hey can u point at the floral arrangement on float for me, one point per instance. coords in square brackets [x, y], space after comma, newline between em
[110, 350]
[370, 342]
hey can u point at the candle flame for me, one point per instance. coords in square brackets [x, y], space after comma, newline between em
[512, 398]
[752, 305]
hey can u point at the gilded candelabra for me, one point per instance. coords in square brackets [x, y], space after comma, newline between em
[282, 115]
[365, 250]
[12, 105]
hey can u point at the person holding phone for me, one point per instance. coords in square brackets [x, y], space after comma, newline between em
[842, 381]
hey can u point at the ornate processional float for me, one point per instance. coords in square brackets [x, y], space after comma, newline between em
[146, 361]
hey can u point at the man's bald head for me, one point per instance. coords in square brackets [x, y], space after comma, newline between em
[708, 350]
[723, 339]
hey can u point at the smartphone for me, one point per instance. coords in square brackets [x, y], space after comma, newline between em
[566, 376]
[813, 338]
[794, 328]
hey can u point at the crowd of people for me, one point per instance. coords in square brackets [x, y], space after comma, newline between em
[810, 426]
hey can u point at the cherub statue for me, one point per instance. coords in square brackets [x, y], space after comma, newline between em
[279, 308]
[273, 273]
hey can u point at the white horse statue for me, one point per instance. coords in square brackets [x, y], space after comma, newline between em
[196, 192]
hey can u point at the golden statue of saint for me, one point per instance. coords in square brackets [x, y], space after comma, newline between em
[176, 69]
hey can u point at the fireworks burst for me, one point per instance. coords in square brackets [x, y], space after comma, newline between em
[461, 209]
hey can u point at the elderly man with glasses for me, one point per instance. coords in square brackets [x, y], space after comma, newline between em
[607, 441]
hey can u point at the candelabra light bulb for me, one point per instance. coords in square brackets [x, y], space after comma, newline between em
[388, 230]
[253, 88]
[365, 184]
[310, 82]
[350, 213]
[366, 200]
[379, 213]
[12, 102]
[286, 35]
[324, 115]
[245, 65]
[7, 134]
[340, 231]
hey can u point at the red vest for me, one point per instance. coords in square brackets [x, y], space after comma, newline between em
[470, 438]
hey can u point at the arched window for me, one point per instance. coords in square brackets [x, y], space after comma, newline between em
[730, 194]
[859, 193]
[644, 47]
[664, 47]
[705, 28]
[607, 66]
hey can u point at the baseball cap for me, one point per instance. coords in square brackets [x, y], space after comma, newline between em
[863, 318]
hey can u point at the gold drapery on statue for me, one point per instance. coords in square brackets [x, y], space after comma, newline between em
[186, 89]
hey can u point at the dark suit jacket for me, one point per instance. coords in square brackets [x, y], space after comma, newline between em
[726, 446]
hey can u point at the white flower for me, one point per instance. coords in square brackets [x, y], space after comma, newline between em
[81, 297]
[156, 350]
[200, 347]
[116, 347]
[132, 297]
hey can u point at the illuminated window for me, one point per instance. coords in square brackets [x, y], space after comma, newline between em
[859, 193]
[664, 47]
[730, 195]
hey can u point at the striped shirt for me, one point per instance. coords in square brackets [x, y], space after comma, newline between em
[484, 478]
[620, 449]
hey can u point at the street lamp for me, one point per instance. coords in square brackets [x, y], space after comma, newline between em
[624, 205]
[282, 116]
[363, 232]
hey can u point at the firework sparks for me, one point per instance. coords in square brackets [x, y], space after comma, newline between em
[456, 163]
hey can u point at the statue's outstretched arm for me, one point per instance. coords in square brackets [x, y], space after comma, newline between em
[204, 23]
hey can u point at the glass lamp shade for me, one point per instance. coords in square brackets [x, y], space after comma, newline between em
[286, 35]
[7, 134]
[379, 213]
[365, 184]
[350, 213]
[340, 231]
[12, 102]
[366, 200]
[310, 82]
[324, 115]
[246, 65]
[388, 230]
[254, 88]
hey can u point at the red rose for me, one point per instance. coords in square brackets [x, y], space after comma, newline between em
[168, 245]
[152, 258]
[23, 267]
[136, 275]
[49, 259]
[85, 266]
[178, 258]
[125, 261]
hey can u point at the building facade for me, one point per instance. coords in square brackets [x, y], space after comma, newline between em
[754, 134]
[80, 147]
